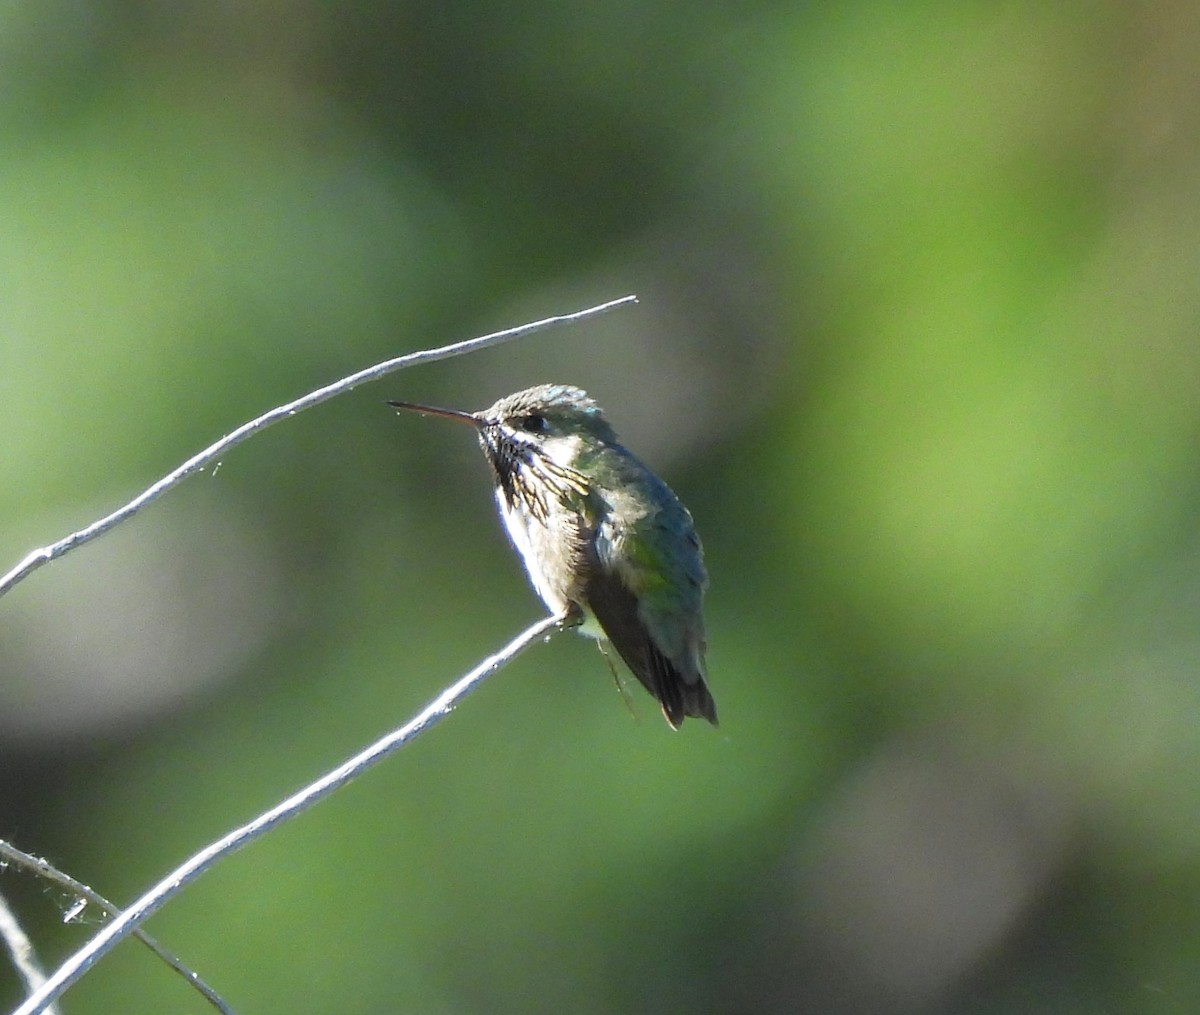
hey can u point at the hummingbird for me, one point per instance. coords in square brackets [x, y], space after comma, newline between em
[605, 542]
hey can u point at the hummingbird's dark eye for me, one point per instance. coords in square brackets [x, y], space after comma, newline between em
[534, 422]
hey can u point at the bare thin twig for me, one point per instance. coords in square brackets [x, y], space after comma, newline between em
[44, 868]
[183, 875]
[43, 555]
[21, 950]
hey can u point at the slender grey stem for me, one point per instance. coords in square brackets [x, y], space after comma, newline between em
[21, 950]
[44, 868]
[44, 554]
[183, 875]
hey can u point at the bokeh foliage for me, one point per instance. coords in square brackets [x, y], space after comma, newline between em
[917, 344]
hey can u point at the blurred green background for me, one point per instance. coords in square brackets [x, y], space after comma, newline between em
[917, 343]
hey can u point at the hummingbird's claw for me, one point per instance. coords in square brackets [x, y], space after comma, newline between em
[572, 617]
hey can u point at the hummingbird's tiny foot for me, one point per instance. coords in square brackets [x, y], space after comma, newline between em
[603, 645]
[573, 617]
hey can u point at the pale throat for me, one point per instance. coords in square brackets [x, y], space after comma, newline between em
[532, 539]
[563, 451]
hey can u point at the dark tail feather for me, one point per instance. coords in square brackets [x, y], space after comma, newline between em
[617, 610]
[679, 697]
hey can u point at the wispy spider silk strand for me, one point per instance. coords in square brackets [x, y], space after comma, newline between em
[43, 868]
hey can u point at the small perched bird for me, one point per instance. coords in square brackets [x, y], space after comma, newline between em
[604, 540]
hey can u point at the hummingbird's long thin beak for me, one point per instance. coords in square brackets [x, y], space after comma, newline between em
[433, 410]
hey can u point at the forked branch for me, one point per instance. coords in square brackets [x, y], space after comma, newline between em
[45, 869]
[187, 872]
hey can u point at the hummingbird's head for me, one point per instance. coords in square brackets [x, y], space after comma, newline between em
[543, 437]
[536, 440]
[548, 414]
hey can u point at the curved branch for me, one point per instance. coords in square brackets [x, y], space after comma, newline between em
[44, 554]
